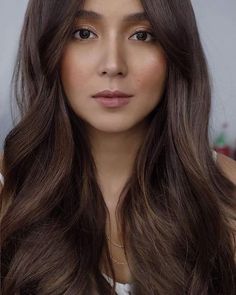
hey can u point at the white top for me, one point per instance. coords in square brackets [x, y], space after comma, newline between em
[214, 153]
[124, 289]
[1, 179]
[121, 289]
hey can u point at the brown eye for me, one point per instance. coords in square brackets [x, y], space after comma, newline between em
[82, 33]
[142, 35]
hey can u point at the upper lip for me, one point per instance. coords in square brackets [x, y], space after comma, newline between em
[109, 93]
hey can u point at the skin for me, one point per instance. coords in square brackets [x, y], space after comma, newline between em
[113, 56]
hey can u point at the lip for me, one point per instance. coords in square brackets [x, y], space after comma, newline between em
[112, 94]
[113, 102]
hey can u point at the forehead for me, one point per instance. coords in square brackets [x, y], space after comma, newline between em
[102, 10]
[93, 15]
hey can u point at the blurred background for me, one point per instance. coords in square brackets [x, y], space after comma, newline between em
[217, 26]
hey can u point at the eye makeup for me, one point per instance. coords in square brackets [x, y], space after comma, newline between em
[140, 32]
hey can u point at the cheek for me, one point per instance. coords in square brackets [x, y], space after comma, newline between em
[151, 73]
[74, 73]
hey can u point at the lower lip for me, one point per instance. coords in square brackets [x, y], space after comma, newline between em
[113, 102]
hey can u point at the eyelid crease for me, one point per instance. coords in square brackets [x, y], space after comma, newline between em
[153, 38]
[76, 29]
[86, 27]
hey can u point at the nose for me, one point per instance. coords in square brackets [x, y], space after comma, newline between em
[113, 59]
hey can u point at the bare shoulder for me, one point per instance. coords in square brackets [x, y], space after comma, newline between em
[228, 166]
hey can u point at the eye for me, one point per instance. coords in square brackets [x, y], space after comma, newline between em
[82, 33]
[143, 35]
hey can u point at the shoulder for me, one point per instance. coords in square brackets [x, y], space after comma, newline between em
[228, 166]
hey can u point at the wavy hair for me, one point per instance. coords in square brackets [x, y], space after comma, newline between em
[177, 207]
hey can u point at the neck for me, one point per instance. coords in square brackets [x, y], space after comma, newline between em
[114, 155]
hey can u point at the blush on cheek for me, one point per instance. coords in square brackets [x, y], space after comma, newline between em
[151, 77]
[71, 77]
[149, 74]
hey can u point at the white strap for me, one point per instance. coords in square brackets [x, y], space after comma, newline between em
[121, 289]
[1, 179]
[214, 155]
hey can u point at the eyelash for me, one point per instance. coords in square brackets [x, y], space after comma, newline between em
[87, 29]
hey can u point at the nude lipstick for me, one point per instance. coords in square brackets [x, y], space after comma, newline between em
[112, 99]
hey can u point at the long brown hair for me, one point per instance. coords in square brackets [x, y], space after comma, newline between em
[176, 209]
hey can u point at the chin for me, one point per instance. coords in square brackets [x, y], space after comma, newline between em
[110, 127]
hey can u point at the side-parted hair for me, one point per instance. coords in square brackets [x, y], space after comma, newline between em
[176, 209]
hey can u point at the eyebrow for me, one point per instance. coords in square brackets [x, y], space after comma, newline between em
[92, 15]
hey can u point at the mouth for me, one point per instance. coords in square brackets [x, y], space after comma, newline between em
[112, 99]
[112, 94]
[113, 102]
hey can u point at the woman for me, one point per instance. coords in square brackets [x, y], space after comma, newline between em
[109, 175]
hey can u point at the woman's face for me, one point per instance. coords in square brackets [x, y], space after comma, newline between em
[109, 54]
